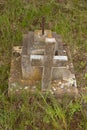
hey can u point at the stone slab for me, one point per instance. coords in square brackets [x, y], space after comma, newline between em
[42, 60]
[17, 84]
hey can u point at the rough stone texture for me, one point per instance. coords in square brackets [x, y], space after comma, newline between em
[25, 57]
[48, 63]
[42, 63]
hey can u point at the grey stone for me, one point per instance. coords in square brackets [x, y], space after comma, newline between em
[43, 59]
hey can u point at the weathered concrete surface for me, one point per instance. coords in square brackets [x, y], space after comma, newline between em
[42, 62]
[25, 57]
[18, 84]
[16, 81]
[48, 63]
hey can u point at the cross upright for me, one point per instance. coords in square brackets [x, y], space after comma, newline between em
[48, 62]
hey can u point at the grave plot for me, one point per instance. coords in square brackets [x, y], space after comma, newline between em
[43, 60]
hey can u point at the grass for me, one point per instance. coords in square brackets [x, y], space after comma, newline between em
[38, 112]
[41, 112]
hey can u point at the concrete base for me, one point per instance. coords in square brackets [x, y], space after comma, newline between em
[17, 84]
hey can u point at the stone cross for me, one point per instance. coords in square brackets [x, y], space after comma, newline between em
[47, 61]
